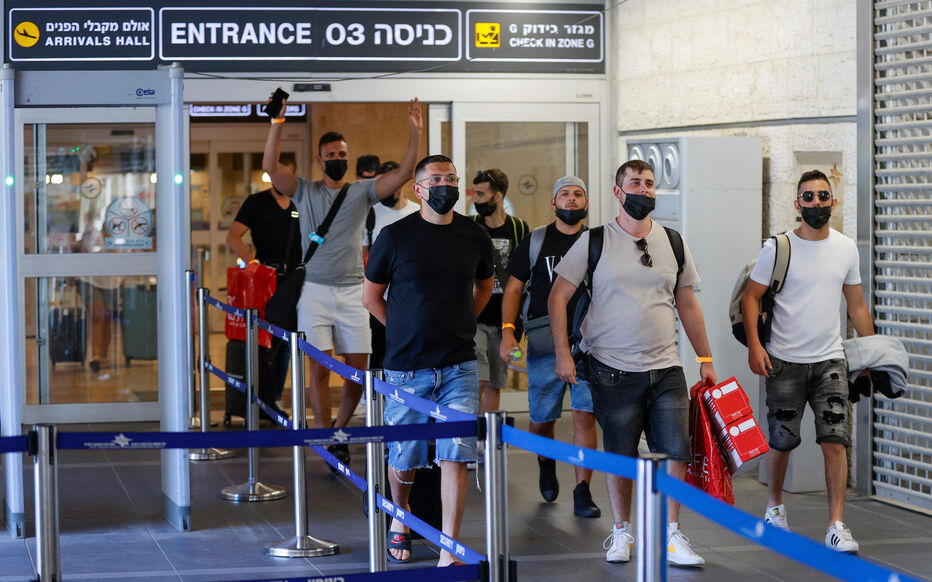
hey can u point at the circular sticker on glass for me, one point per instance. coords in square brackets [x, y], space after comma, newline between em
[128, 223]
[91, 188]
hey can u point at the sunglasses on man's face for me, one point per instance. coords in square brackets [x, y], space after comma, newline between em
[809, 196]
[645, 258]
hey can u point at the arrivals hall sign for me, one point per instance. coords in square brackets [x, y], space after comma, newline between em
[307, 36]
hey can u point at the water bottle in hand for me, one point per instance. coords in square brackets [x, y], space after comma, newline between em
[515, 353]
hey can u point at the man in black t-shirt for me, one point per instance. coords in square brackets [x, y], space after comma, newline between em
[548, 244]
[272, 220]
[506, 231]
[437, 267]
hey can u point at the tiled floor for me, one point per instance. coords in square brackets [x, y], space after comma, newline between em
[112, 528]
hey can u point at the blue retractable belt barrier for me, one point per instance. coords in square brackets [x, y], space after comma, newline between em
[273, 329]
[14, 444]
[583, 457]
[432, 409]
[224, 307]
[337, 366]
[791, 545]
[457, 574]
[431, 534]
[235, 382]
[263, 438]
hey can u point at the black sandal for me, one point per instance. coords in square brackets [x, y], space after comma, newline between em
[399, 541]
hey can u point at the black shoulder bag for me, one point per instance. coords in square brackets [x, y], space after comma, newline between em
[282, 307]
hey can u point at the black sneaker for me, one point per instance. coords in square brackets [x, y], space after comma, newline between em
[583, 506]
[549, 486]
[341, 452]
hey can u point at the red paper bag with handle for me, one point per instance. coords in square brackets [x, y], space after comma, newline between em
[247, 289]
[707, 468]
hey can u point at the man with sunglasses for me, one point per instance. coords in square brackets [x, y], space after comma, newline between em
[629, 339]
[804, 361]
[330, 309]
[440, 262]
[489, 189]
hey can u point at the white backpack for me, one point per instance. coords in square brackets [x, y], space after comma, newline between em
[781, 264]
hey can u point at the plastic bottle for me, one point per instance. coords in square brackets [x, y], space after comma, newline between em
[515, 353]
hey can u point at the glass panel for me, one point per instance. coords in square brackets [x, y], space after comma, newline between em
[533, 155]
[94, 339]
[90, 188]
[238, 179]
[200, 193]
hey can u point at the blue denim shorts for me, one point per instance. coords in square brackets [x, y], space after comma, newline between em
[455, 387]
[655, 402]
[545, 391]
[824, 385]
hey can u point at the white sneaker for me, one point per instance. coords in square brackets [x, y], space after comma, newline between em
[776, 516]
[678, 551]
[619, 549]
[839, 538]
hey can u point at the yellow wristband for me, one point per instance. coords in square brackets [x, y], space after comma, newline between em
[277, 120]
[508, 325]
[704, 359]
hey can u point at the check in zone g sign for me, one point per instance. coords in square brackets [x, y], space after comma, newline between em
[305, 36]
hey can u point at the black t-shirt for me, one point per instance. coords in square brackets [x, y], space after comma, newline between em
[556, 244]
[505, 240]
[430, 270]
[270, 226]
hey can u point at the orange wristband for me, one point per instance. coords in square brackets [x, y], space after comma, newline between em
[508, 326]
[277, 120]
[704, 359]
[253, 261]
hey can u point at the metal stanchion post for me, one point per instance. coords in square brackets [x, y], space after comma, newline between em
[301, 545]
[253, 489]
[652, 519]
[48, 563]
[203, 336]
[375, 476]
[193, 421]
[496, 499]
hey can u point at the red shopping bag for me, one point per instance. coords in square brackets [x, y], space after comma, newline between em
[249, 290]
[707, 468]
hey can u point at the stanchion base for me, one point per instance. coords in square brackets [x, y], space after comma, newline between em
[252, 491]
[302, 547]
[209, 454]
[194, 423]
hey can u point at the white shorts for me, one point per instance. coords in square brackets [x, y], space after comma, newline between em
[334, 318]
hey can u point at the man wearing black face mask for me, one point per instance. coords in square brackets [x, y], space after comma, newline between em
[548, 244]
[330, 310]
[629, 339]
[388, 211]
[804, 360]
[439, 262]
[489, 189]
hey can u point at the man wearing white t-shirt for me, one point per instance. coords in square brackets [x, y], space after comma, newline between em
[804, 361]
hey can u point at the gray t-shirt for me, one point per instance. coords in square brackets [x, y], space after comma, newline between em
[631, 324]
[338, 261]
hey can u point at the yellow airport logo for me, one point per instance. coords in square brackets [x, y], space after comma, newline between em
[488, 34]
[26, 34]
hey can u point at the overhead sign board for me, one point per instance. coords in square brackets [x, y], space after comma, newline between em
[304, 36]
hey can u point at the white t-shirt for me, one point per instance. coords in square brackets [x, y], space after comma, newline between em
[385, 216]
[806, 326]
[631, 324]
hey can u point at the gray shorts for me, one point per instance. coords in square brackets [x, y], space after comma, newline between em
[824, 385]
[492, 368]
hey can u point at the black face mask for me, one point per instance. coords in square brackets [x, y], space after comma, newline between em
[817, 216]
[443, 198]
[335, 169]
[389, 201]
[571, 217]
[484, 208]
[638, 206]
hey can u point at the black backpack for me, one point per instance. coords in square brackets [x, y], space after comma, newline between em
[596, 240]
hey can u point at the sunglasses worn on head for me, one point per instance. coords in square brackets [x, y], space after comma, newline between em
[809, 195]
[645, 258]
[485, 176]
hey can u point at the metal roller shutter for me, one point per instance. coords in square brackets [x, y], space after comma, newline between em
[902, 76]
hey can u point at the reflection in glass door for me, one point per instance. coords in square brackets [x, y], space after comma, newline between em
[89, 262]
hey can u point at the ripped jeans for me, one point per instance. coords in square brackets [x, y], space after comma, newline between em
[824, 385]
[455, 387]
